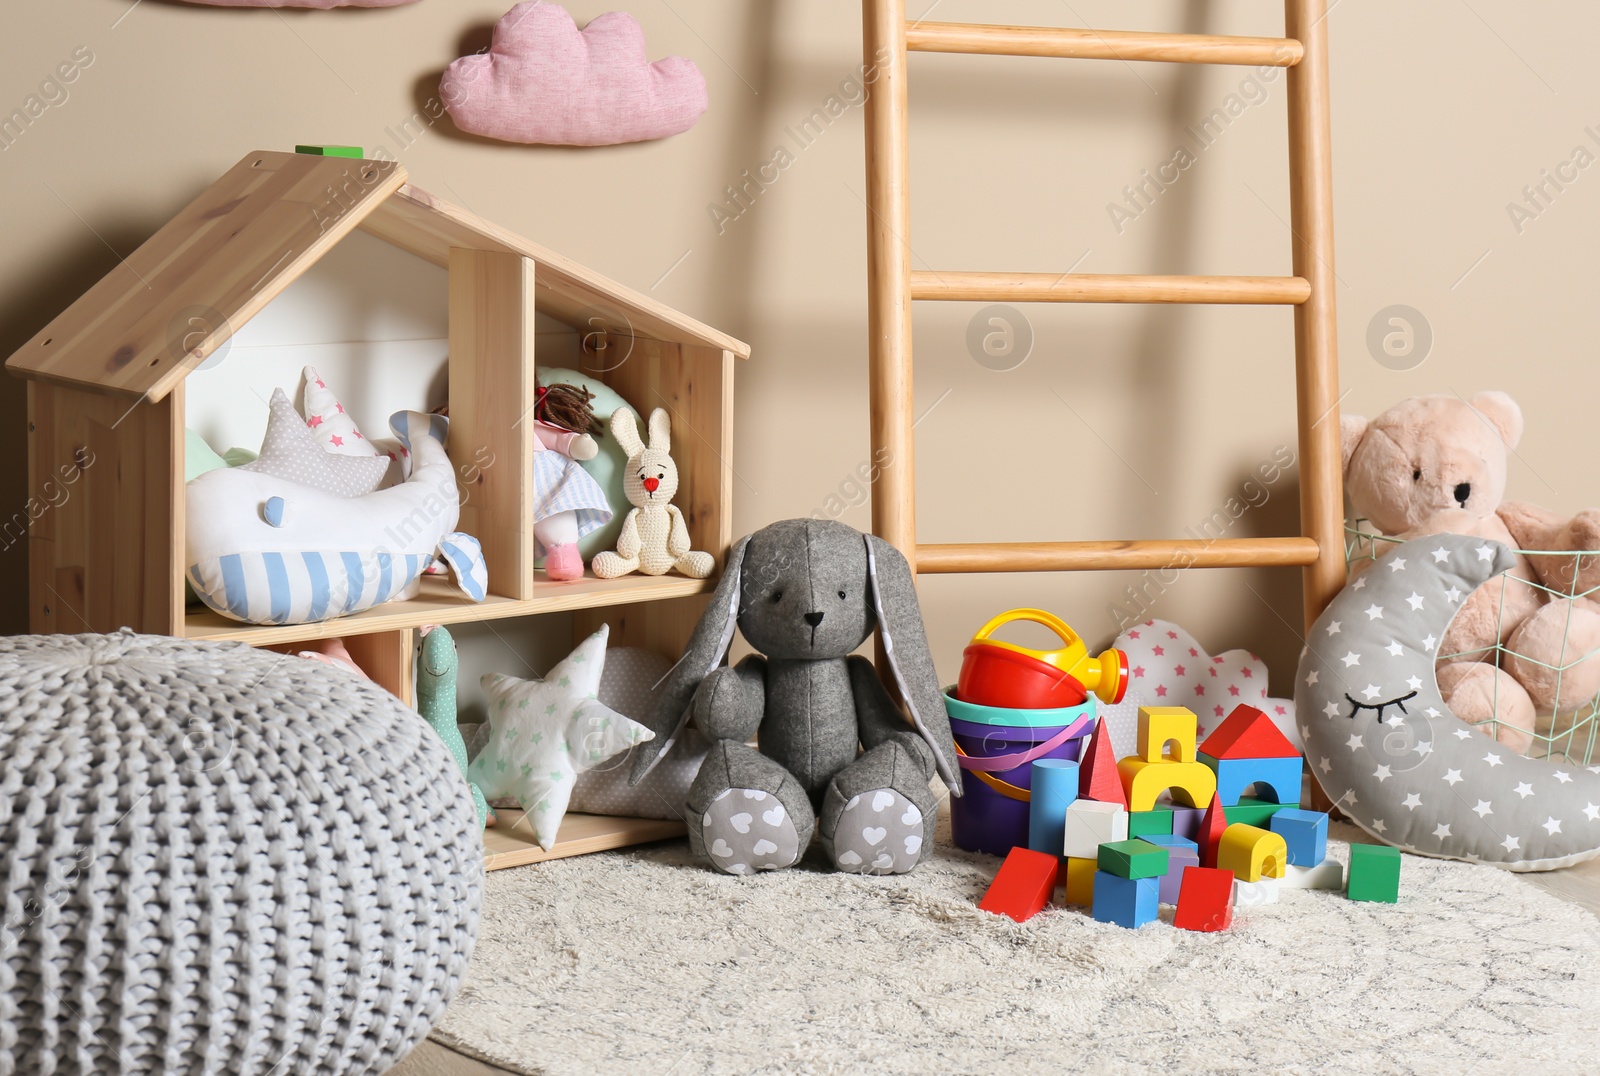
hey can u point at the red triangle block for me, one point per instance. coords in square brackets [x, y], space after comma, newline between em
[1212, 827]
[1248, 733]
[1097, 772]
[1023, 885]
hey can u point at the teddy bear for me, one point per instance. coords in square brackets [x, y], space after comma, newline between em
[1437, 464]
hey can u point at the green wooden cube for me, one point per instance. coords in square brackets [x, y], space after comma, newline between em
[1374, 873]
[332, 151]
[1158, 821]
[1132, 859]
[1253, 812]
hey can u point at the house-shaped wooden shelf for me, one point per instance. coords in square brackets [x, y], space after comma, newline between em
[107, 410]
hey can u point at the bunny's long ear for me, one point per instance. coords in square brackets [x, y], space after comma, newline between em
[660, 431]
[706, 649]
[906, 646]
[625, 428]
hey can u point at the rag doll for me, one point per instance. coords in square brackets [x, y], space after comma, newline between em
[568, 502]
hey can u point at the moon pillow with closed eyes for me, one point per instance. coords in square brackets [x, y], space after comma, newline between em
[1389, 752]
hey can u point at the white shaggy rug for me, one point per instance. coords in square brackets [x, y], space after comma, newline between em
[648, 962]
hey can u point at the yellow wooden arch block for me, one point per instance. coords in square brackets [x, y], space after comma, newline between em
[1160, 725]
[1252, 853]
[1192, 783]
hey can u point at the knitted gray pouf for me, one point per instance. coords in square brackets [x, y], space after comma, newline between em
[220, 859]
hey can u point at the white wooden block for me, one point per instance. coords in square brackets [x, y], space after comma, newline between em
[1329, 874]
[1090, 824]
[1255, 894]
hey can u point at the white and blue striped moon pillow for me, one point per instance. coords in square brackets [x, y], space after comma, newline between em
[303, 588]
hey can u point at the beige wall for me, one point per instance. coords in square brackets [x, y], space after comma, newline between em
[1122, 422]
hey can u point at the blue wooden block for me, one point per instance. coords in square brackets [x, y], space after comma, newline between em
[1054, 786]
[1170, 841]
[1127, 902]
[1277, 780]
[1306, 834]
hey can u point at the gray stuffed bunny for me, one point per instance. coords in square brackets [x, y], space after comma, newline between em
[806, 593]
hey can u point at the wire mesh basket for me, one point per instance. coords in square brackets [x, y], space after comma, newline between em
[1566, 732]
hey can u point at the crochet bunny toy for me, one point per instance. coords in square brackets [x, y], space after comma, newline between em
[654, 538]
[837, 756]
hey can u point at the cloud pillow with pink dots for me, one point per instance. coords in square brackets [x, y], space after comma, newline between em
[1168, 667]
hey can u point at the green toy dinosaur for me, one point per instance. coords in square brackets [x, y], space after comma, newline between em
[436, 702]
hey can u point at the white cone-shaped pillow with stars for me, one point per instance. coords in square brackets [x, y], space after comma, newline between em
[543, 733]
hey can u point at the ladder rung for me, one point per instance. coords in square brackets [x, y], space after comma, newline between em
[1093, 288]
[1115, 556]
[986, 40]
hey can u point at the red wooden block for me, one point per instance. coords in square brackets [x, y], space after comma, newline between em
[1212, 827]
[1023, 885]
[1097, 772]
[1205, 900]
[1248, 733]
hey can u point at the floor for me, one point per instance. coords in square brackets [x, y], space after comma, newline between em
[1579, 885]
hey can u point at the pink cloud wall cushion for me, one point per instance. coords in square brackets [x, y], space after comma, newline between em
[545, 81]
[301, 3]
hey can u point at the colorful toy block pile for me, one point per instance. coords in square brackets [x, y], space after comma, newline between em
[1096, 825]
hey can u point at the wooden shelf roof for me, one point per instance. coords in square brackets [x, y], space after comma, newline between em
[209, 270]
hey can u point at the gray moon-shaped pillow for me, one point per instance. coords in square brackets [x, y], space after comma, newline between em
[1389, 752]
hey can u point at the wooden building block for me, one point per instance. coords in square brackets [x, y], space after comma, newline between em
[1023, 885]
[1374, 873]
[1097, 771]
[1248, 733]
[1274, 780]
[1254, 894]
[1205, 900]
[1132, 859]
[1191, 783]
[1127, 902]
[1091, 823]
[1305, 832]
[1181, 852]
[1052, 788]
[1178, 860]
[1252, 812]
[1329, 874]
[354, 152]
[1252, 853]
[1080, 881]
[1185, 820]
[1212, 826]
[1160, 726]
[1150, 823]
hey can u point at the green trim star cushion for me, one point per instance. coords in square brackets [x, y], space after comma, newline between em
[543, 733]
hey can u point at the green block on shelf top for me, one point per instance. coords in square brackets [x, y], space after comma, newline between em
[1132, 859]
[1158, 821]
[1374, 873]
[332, 151]
[1254, 812]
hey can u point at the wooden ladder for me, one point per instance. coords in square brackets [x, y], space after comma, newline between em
[893, 285]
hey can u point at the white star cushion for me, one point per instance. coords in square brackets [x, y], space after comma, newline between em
[543, 733]
[336, 430]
